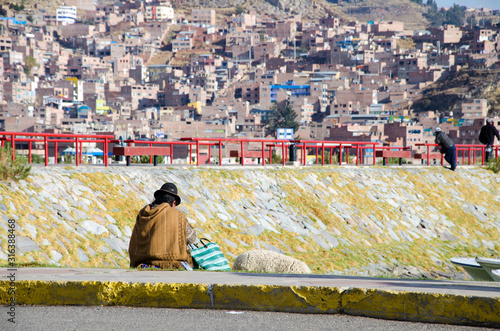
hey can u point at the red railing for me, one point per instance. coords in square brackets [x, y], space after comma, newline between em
[317, 145]
[55, 138]
[304, 145]
[468, 152]
[219, 142]
[261, 147]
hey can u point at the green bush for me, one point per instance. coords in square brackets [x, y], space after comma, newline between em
[335, 158]
[277, 159]
[493, 165]
[145, 159]
[35, 158]
[13, 170]
[394, 160]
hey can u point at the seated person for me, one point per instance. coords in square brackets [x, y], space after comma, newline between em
[161, 233]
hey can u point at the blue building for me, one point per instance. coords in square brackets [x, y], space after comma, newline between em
[295, 90]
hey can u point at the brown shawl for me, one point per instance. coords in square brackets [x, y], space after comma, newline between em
[159, 238]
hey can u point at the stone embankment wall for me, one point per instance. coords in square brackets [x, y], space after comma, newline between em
[365, 221]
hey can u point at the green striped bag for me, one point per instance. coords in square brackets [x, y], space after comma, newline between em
[209, 256]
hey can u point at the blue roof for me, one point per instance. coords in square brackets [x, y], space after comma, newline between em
[291, 87]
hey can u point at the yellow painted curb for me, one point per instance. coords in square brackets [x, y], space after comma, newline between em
[406, 306]
[93, 293]
[299, 299]
[422, 307]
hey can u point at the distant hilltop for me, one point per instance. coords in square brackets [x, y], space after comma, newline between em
[402, 10]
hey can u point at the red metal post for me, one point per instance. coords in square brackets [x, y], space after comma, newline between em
[77, 151]
[305, 154]
[209, 152]
[55, 152]
[357, 154]
[263, 153]
[190, 152]
[105, 152]
[283, 152]
[242, 153]
[317, 161]
[171, 153]
[323, 154]
[331, 155]
[220, 152]
[29, 151]
[469, 154]
[197, 152]
[373, 149]
[46, 147]
[428, 155]
[151, 156]
[340, 154]
[13, 145]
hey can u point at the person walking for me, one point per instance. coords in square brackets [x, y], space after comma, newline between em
[161, 234]
[447, 147]
[487, 136]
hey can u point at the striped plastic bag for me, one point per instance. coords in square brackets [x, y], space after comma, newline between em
[209, 256]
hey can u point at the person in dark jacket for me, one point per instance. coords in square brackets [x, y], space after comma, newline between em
[487, 136]
[447, 147]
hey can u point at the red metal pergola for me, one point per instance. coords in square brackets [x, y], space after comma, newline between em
[55, 138]
[305, 146]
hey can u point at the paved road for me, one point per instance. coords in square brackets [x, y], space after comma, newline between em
[124, 318]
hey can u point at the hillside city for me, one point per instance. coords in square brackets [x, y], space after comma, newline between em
[140, 70]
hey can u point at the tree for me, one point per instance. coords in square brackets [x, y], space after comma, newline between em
[432, 6]
[239, 9]
[16, 7]
[30, 63]
[281, 118]
[455, 15]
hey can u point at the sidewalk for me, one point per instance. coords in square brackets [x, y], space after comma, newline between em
[454, 302]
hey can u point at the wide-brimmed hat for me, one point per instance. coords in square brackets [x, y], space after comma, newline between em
[168, 188]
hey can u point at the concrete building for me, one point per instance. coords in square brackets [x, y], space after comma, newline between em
[475, 109]
[160, 11]
[203, 16]
[66, 15]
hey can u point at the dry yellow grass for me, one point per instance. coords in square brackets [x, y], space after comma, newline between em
[368, 241]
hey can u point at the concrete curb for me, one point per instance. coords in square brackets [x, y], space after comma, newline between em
[396, 305]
